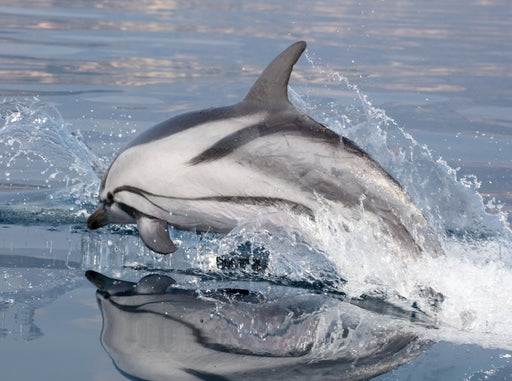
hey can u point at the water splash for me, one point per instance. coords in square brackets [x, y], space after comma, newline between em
[452, 205]
[42, 163]
[467, 290]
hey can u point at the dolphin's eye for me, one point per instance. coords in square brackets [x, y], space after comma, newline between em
[110, 198]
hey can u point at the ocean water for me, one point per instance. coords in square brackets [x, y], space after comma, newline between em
[424, 87]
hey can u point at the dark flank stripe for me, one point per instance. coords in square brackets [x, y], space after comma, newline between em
[294, 207]
[302, 126]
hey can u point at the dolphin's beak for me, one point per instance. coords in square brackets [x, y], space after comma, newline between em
[99, 218]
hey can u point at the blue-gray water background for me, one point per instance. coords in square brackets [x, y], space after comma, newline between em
[441, 69]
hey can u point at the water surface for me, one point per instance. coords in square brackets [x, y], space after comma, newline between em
[424, 87]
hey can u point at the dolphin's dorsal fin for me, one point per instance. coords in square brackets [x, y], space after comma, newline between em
[272, 84]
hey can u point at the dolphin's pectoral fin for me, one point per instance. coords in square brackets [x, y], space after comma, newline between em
[155, 234]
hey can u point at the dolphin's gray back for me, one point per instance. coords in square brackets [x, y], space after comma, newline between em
[185, 121]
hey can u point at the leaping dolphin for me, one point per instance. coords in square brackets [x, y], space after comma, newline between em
[215, 169]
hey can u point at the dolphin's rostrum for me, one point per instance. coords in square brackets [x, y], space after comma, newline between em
[215, 169]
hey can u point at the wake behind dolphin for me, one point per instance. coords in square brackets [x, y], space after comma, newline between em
[261, 159]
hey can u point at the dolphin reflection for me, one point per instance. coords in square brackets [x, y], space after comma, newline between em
[155, 330]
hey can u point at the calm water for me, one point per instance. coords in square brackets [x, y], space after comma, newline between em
[424, 86]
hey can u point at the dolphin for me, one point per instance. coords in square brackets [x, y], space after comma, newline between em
[216, 169]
